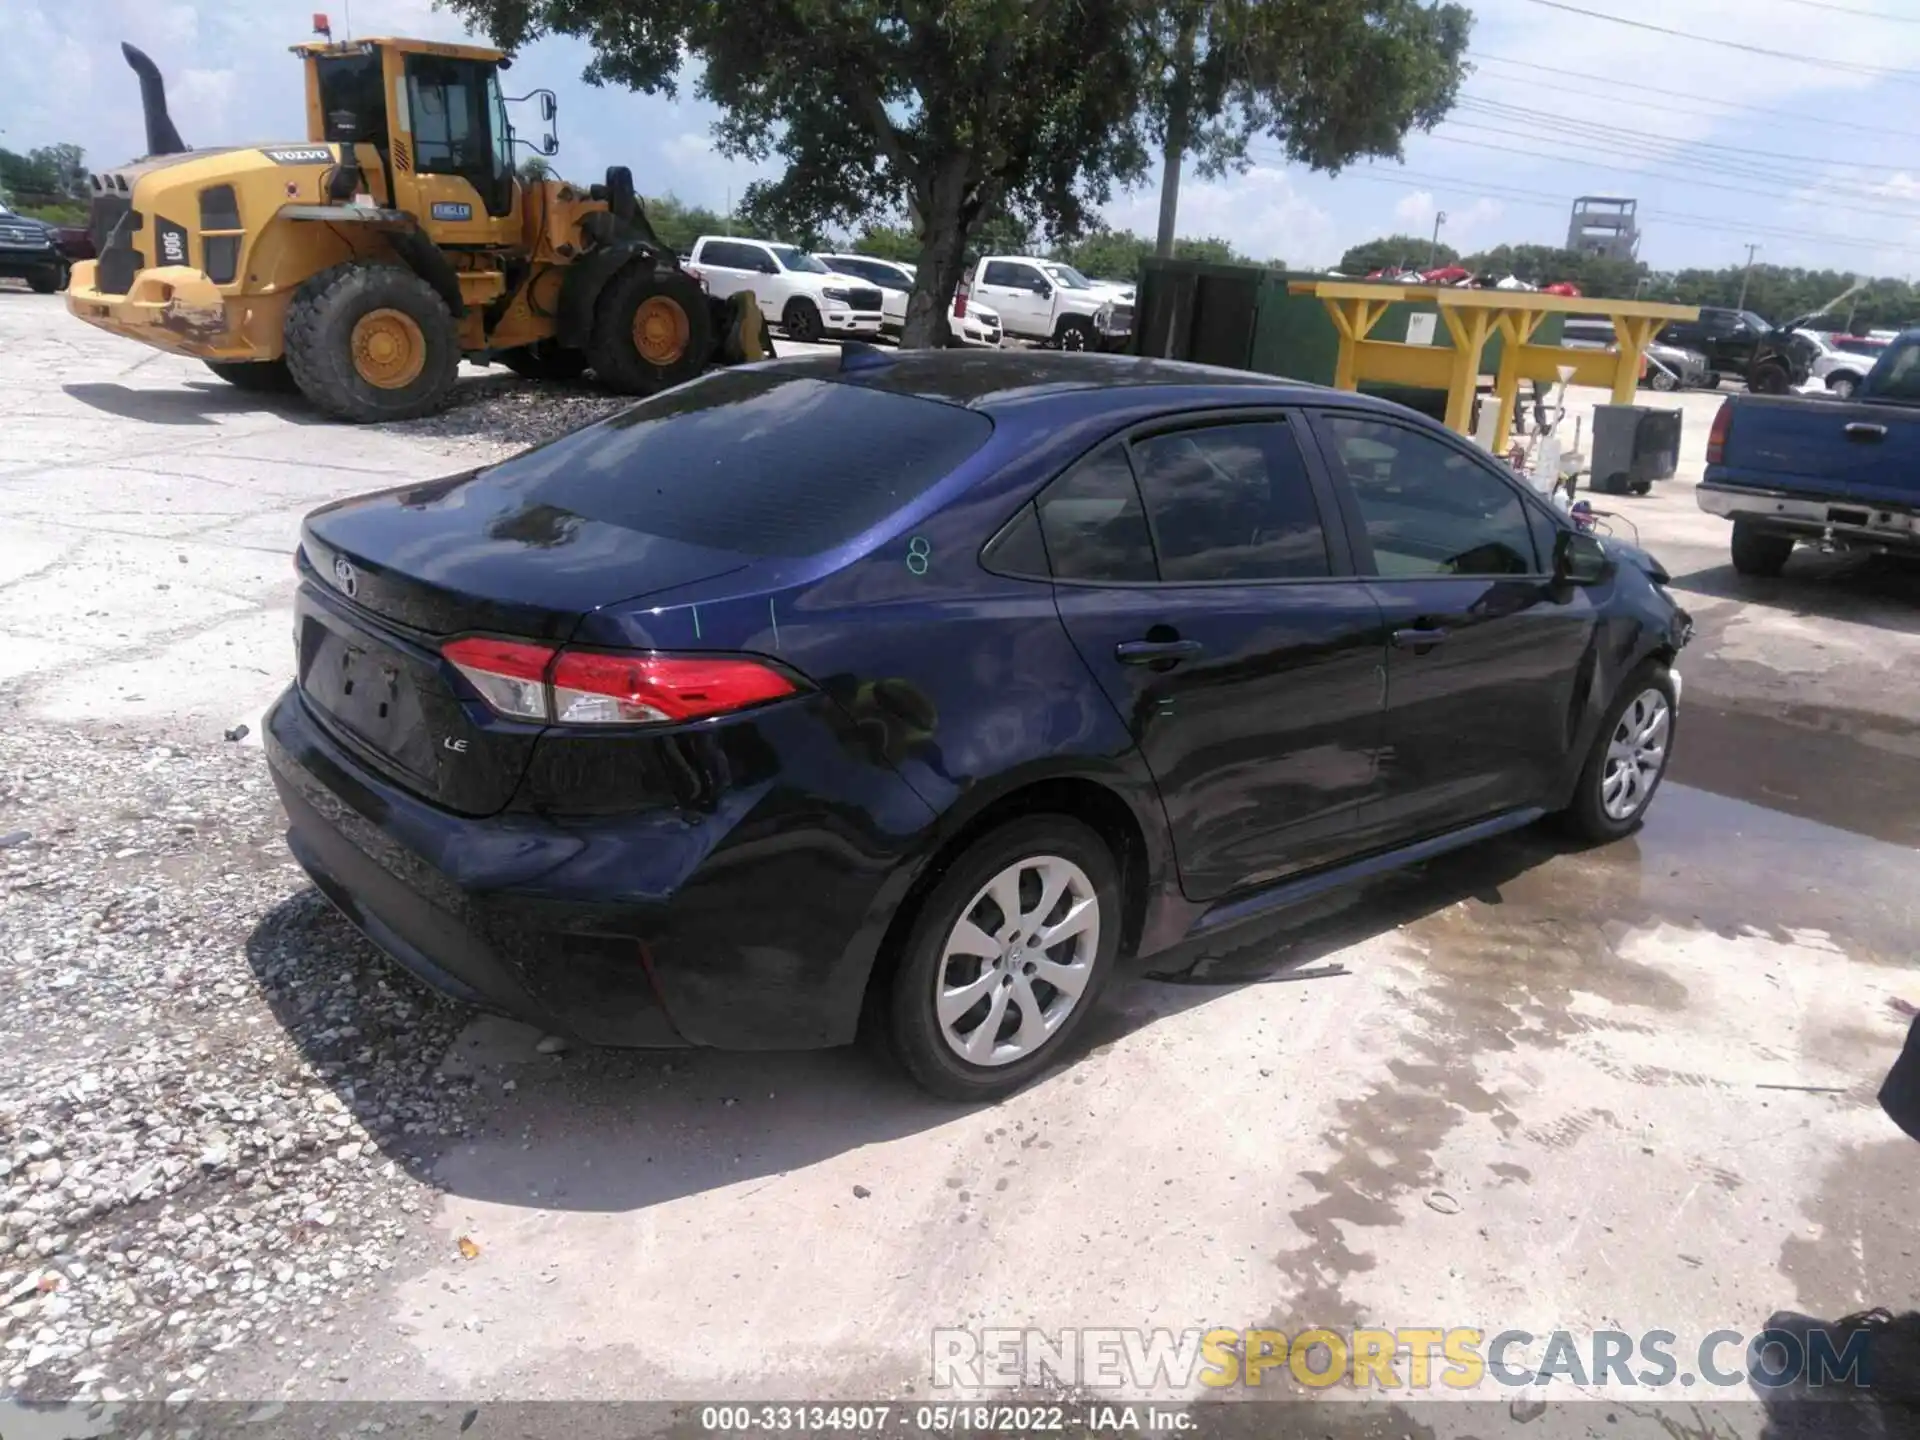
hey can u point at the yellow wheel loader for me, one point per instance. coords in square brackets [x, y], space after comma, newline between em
[360, 265]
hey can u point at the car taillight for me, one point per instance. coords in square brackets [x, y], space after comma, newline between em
[510, 675]
[1717, 436]
[593, 688]
[597, 687]
[960, 303]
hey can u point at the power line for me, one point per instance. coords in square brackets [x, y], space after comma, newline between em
[1851, 10]
[1850, 67]
[1615, 86]
[1482, 105]
[1613, 96]
[1598, 140]
[1413, 180]
[1690, 179]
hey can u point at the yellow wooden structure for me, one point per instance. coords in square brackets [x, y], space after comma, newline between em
[1472, 317]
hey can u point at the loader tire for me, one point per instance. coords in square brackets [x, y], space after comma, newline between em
[372, 342]
[256, 377]
[544, 360]
[651, 330]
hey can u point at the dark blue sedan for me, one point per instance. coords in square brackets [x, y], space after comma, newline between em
[927, 684]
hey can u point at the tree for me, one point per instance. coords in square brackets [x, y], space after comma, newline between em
[1119, 254]
[1395, 252]
[535, 169]
[1329, 80]
[678, 225]
[945, 113]
[48, 174]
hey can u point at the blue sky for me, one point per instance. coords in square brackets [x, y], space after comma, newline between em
[1836, 186]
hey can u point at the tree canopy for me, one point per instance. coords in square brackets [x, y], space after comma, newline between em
[1395, 252]
[1329, 81]
[49, 174]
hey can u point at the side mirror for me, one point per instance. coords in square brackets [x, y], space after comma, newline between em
[1580, 559]
[549, 145]
[1043, 290]
[549, 107]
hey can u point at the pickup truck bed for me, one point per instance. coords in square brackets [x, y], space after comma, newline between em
[1844, 475]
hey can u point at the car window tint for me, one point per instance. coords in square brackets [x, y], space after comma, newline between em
[1001, 273]
[728, 255]
[1018, 549]
[1231, 502]
[1428, 508]
[1896, 374]
[752, 462]
[1094, 525]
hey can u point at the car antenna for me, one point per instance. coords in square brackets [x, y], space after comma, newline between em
[855, 356]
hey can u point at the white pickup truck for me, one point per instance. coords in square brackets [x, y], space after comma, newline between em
[1053, 303]
[795, 291]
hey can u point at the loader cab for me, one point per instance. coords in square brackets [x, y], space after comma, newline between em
[437, 119]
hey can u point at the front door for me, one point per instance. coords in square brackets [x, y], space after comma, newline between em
[1222, 620]
[1484, 649]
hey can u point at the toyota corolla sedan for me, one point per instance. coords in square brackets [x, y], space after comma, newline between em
[926, 686]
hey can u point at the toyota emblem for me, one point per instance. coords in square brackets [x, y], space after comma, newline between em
[346, 577]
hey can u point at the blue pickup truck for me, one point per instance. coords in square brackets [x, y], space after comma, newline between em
[1843, 475]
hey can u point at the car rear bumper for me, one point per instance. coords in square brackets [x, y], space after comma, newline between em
[660, 929]
[178, 308]
[1854, 525]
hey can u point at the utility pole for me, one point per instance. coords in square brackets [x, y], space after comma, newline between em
[1433, 254]
[1745, 276]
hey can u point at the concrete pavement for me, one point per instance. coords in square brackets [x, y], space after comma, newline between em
[1527, 1088]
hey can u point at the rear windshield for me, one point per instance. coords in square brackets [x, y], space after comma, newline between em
[759, 463]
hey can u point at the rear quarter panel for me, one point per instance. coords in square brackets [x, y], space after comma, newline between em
[1802, 446]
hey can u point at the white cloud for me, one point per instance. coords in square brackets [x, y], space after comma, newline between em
[1259, 213]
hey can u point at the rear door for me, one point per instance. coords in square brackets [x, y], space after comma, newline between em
[1484, 649]
[1014, 288]
[1222, 619]
[727, 266]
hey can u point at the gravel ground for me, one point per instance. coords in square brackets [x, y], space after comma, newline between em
[504, 413]
[198, 1147]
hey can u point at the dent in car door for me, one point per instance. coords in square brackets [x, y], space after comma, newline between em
[1255, 701]
[1484, 650]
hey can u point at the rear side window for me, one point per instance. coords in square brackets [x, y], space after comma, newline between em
[1094, 524]
[758, 463]
[1231, 502]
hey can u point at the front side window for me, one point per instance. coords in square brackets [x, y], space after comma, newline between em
[1094, 525]
[799, 260]
[1068, 277]
[1429, 509]
[1012, 276]
[1896, 374]
[1231, 502]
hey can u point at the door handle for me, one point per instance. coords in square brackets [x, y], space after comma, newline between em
[1862, 431]
[1418, 641]
[1149, 652]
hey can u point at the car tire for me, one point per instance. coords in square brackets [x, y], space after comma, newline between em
[1628, 759]
[545, 360]
[1075, 333]
[801, 320]
[256, 377]
[1841, 387]
[1770, 380]
[372, 342]
[45, 282]
[961, 916]
[652, 329]
[1661, 380]
[1759, 552]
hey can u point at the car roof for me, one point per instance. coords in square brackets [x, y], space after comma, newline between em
[989, 380]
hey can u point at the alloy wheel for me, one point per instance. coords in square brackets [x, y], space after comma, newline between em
[1636, 755]
[1017, 960]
